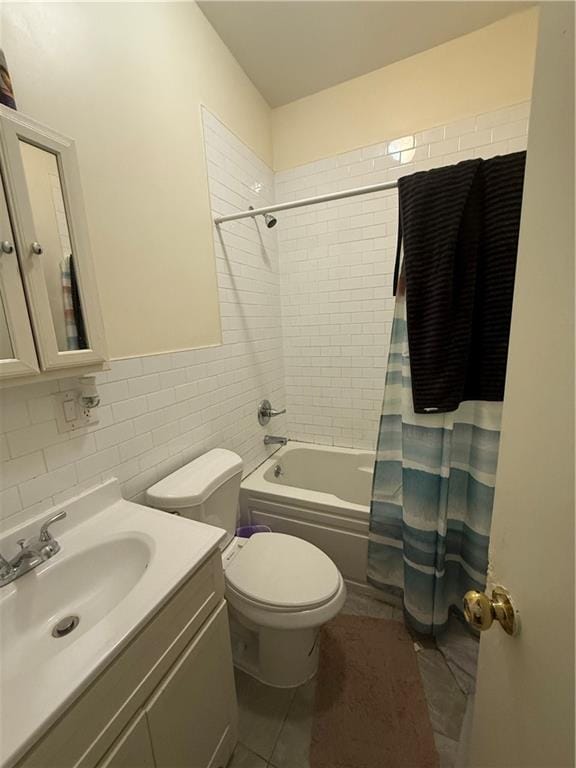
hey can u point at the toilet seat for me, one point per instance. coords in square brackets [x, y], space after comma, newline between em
[278, 572]
[260, 616]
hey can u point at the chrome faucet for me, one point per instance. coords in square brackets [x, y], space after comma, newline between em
[266, 412]
[274, 440]
[33, 552]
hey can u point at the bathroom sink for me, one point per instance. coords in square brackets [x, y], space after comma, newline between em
[86, 585]
[64, 621]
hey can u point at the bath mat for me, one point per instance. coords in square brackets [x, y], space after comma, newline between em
[370, 709]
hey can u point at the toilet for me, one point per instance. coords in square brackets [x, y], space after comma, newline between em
[280, 589]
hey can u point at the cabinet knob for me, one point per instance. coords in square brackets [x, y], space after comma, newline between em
[36, 248]
[7, 247]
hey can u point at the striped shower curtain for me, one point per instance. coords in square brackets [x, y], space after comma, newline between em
[432, 496]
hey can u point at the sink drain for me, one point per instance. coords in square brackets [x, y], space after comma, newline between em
[65, 626]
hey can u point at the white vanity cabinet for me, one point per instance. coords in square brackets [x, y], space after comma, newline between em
[50, 316]
[167, 701]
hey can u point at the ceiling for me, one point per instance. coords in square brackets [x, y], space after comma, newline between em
[290, 49]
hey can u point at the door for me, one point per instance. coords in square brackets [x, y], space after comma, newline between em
[193, 713]
[524, 708]
[17, 352]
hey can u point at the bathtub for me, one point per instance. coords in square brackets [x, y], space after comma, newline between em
[319, 493]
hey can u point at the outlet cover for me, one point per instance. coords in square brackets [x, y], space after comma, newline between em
[70, 414]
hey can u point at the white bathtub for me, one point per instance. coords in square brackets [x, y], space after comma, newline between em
[319, 493]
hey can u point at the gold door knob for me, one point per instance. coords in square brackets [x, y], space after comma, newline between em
[481, 610]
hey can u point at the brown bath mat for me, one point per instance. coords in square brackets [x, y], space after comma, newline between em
[370, 709]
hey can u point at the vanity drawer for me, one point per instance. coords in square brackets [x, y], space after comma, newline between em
[89, 727]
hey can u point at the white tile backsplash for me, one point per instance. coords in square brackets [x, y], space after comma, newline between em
[337, 262]
[306, 310]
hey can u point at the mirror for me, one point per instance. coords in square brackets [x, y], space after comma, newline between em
[44, 188]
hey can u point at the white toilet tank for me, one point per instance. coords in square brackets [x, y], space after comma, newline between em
[207, 489]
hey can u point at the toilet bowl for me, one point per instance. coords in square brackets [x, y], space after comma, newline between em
[280, 589]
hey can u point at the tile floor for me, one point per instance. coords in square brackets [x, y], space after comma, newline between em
[275, 724]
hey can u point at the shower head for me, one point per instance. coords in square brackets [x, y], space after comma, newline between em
[270, 220]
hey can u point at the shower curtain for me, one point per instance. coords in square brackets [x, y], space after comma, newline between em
[432, 498]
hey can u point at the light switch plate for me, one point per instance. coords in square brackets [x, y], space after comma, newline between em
[70, 407]
[70, 415]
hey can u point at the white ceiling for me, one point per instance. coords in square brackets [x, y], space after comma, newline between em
[290, 49]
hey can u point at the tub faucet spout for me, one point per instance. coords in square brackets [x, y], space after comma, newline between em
[274, 440]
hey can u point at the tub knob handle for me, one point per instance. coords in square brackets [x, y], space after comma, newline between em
[266, 412]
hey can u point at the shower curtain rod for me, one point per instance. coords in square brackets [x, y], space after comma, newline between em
[306, 201]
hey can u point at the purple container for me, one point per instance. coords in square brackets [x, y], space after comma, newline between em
[245, 531]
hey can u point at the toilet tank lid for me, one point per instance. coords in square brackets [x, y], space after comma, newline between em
[193, 483]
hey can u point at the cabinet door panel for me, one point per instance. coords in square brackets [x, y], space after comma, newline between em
[133, 748]
[17, 351]
[44, 192]
[195, 706]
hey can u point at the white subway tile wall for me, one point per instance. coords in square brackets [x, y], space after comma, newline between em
[337, 263]
[329, 305]
[159, 412]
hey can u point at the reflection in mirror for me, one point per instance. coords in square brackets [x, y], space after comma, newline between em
[6, 348]
[51, 226]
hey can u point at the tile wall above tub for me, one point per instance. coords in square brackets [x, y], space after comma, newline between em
[337, 263]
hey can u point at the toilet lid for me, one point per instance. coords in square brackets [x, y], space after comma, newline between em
[283, 571]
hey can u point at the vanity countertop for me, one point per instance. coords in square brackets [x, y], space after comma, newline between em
[119, 563]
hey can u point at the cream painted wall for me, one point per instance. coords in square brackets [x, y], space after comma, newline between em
[126, 80]
[480, 72]
[524, 710]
